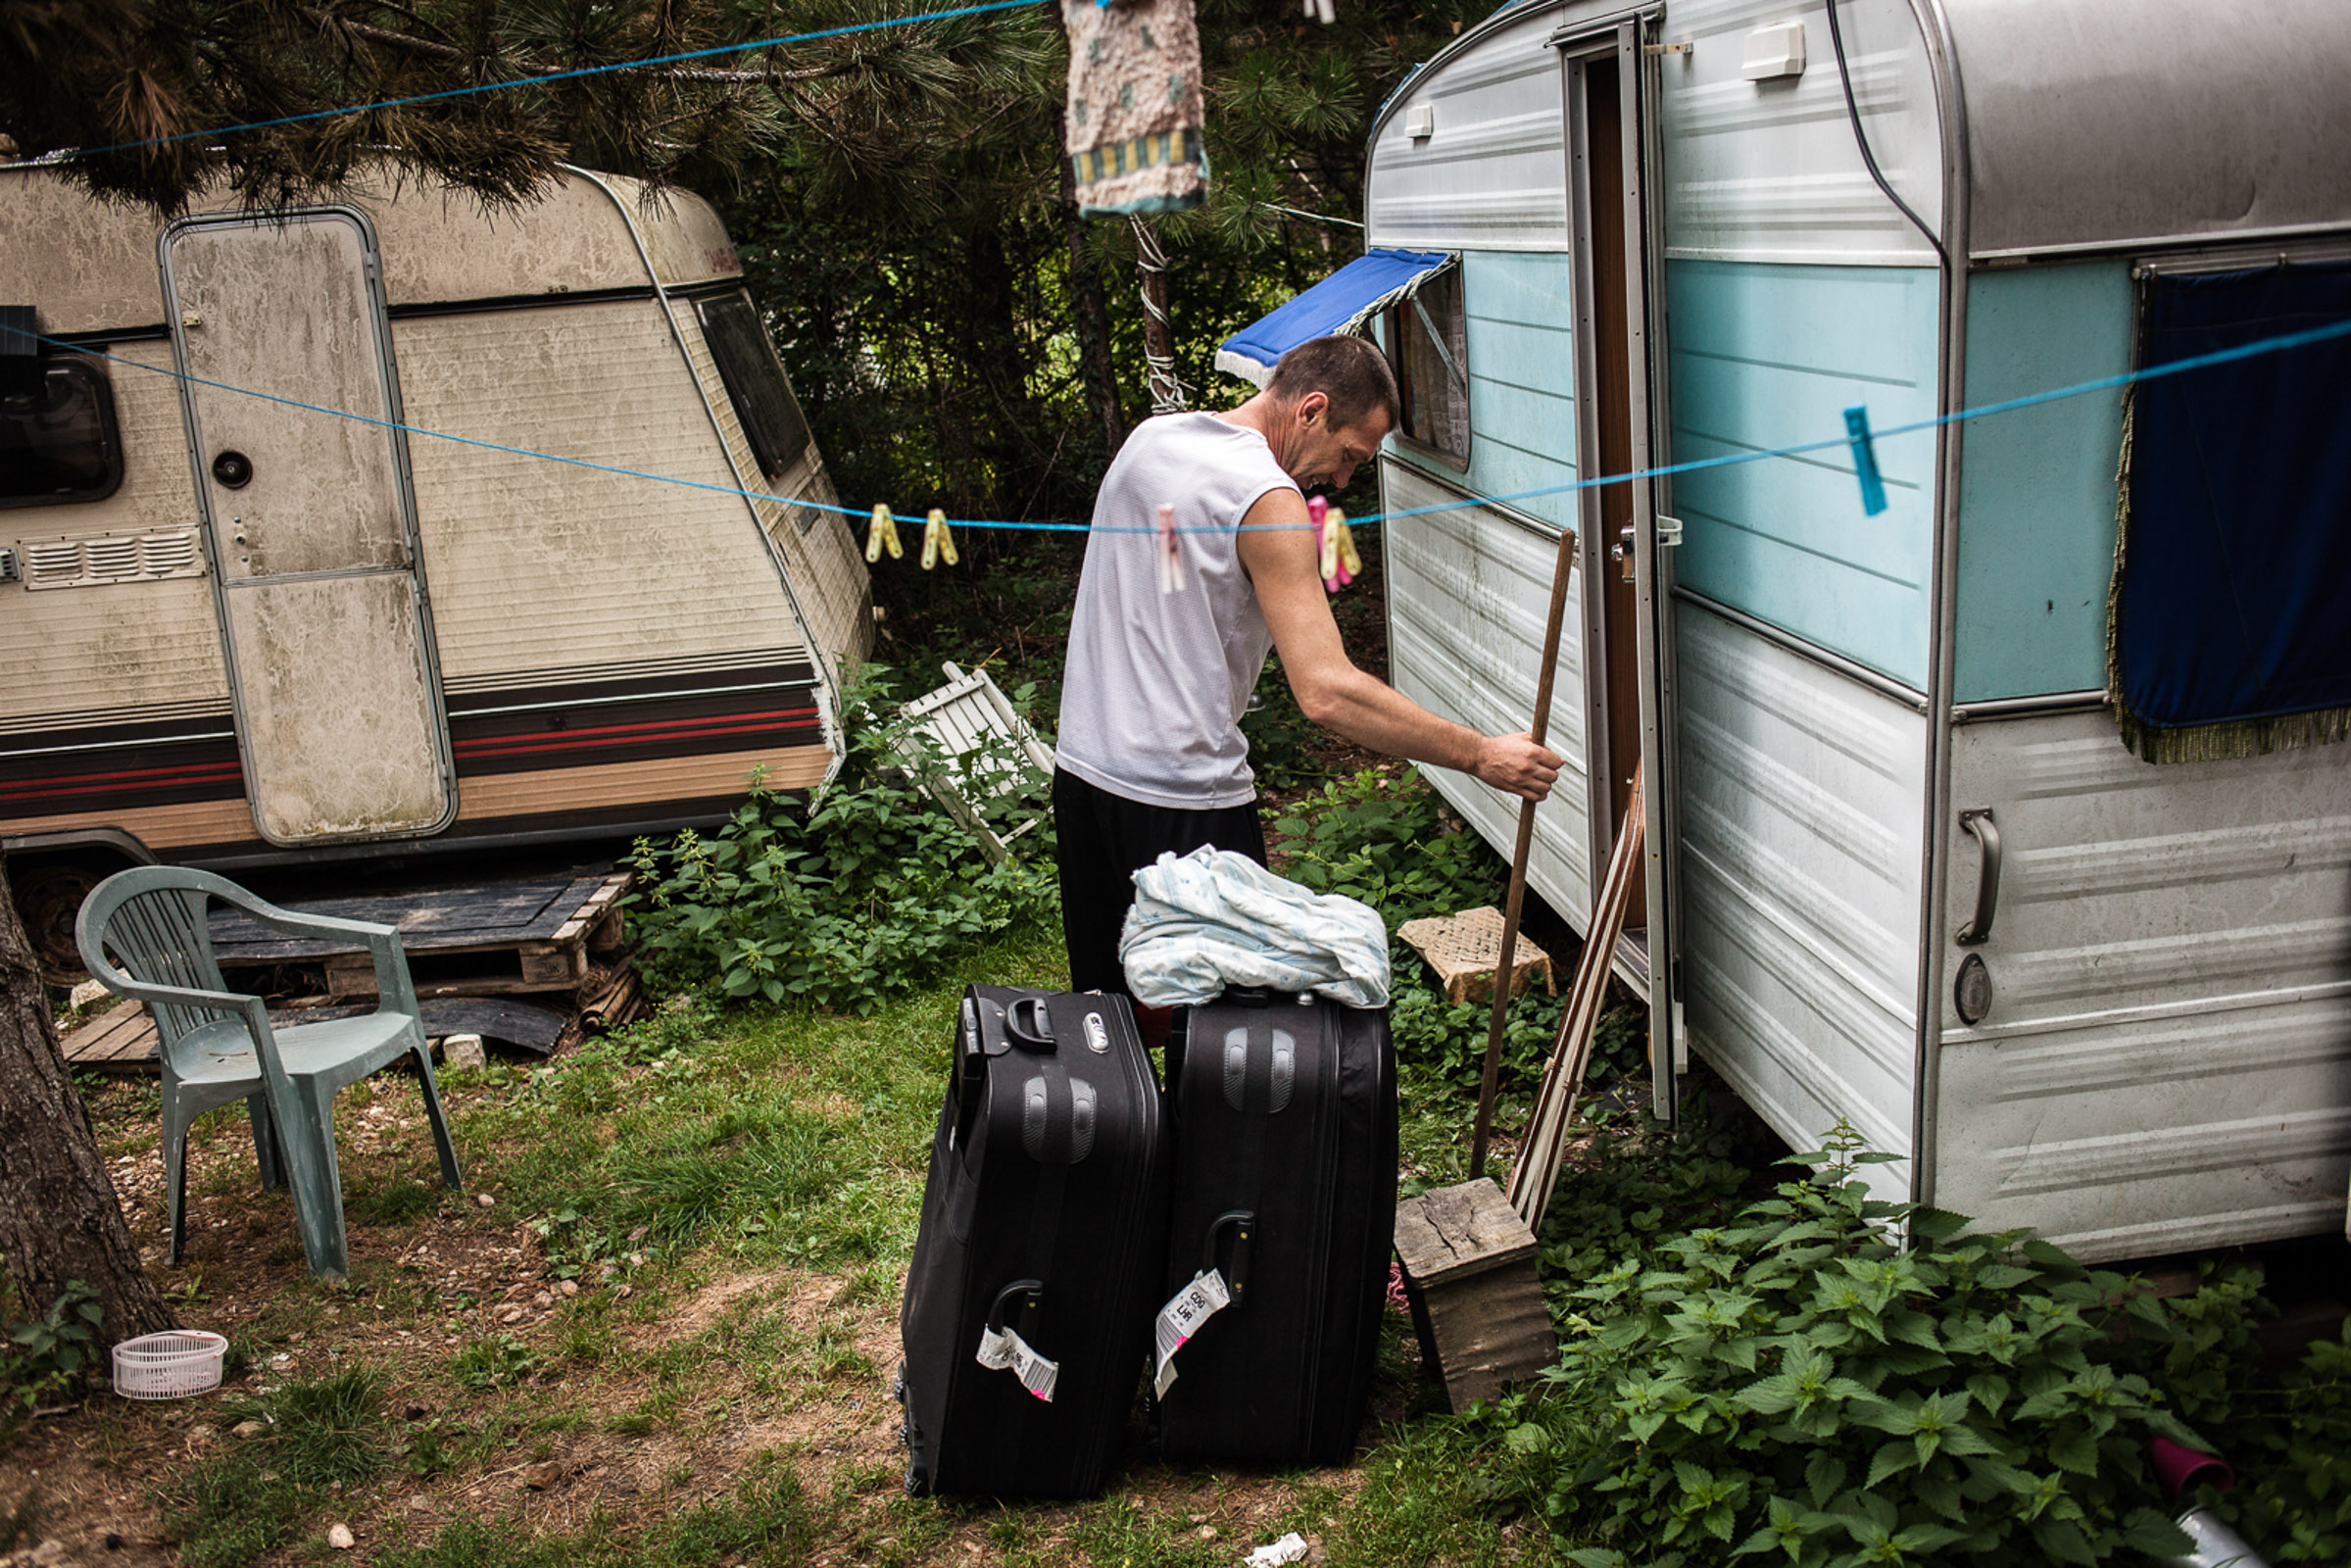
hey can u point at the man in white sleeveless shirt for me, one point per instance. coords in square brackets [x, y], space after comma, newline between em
[1152, 756]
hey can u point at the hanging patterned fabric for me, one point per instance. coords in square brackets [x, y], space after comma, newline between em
[1134, 107]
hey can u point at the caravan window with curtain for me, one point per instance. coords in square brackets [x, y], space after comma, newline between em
[2233, 567]
[1428, 341]
[755, 381]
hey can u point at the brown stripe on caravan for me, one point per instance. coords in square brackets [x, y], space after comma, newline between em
[175, 827]
[647, 783]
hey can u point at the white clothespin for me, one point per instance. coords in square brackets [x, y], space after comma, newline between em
[1171, 552]
[1320, 11]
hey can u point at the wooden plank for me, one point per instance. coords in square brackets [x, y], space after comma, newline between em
[593, 912]
[430, 920]
[1543, 1146]
[1453, 1232]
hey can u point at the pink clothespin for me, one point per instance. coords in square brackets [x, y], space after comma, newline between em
[1326, 544]
[1171, 552]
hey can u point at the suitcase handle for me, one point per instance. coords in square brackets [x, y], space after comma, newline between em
[1035, 1032]
[1243, 1223]
[1032, 1294]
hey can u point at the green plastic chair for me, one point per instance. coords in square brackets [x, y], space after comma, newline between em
[217, 1046]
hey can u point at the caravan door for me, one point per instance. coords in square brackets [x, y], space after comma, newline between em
[1611, 117]
[278, 326]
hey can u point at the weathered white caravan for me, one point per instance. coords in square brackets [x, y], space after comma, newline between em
[239, 629]
[1903, 867]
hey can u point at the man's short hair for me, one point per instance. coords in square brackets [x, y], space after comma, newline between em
[1350, 372]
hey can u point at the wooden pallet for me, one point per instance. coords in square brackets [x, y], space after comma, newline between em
[122, 1041]
[491, 939]
[119, 1040]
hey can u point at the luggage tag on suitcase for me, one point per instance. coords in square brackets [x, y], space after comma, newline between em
[1208, 1294]
[1002, 1348]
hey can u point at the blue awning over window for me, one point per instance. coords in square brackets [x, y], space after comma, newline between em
[1344, 302]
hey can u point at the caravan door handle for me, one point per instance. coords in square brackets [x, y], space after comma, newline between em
[1621, 552]
[1987, 885]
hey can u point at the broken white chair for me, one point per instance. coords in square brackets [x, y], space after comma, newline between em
[971, 716]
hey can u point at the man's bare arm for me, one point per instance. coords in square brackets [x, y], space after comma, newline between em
[1277, 550]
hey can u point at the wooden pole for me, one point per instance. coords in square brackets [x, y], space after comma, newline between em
[1503, 975]
[1538, 1169]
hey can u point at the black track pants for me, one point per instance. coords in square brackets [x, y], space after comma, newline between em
[1104, 840]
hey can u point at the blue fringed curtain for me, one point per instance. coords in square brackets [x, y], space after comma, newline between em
[2230, 631]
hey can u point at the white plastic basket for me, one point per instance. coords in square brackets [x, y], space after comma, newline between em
[168, 1366]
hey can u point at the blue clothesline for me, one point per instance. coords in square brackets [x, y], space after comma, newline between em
[2244, 350]
[552, 77]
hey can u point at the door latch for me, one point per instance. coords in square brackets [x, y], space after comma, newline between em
[1621, 552]
[1669, 531]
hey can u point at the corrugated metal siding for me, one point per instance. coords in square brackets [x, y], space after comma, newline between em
[1467, 594]
[1799, 863]
[2166, 1063]
[1495, 175]
[540, 566]
[1768, 171]
[101, 653]
[2037, 493]
[1768, 356]
[828, 571]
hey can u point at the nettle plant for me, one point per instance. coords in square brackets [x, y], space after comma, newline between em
[869, 888]
[1797, 1386]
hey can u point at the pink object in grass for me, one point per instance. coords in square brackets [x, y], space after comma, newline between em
[1395, 1287]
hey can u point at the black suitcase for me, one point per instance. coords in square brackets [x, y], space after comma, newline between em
[1044, 1231]
[1284, 1111]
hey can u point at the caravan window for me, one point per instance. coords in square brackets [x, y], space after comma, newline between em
[59, 444]
[2233, 564]
[755, 381]
[1428, 338]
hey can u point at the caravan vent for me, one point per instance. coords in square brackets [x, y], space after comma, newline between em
[98, 558]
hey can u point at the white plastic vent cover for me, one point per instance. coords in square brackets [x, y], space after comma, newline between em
[95, 560]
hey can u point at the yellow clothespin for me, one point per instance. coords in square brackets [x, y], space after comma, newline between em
[882, 535]
[1343, 541]
[937, 541]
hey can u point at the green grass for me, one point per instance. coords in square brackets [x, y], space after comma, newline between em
[320, 1437]
[766, 1521]
[704, 1151]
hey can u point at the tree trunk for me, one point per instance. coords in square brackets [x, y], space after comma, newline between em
[60, 1220]
[1158, 336]
[1091, 307]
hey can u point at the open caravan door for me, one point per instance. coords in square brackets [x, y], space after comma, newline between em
[1611, 97]
[319, 580]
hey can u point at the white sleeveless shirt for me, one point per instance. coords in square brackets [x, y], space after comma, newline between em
[1155, 683]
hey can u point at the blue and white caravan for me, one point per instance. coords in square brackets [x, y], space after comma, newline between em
[2037, 871]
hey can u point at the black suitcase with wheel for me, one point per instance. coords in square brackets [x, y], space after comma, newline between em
[1027, 1311]
[1284, 1109]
